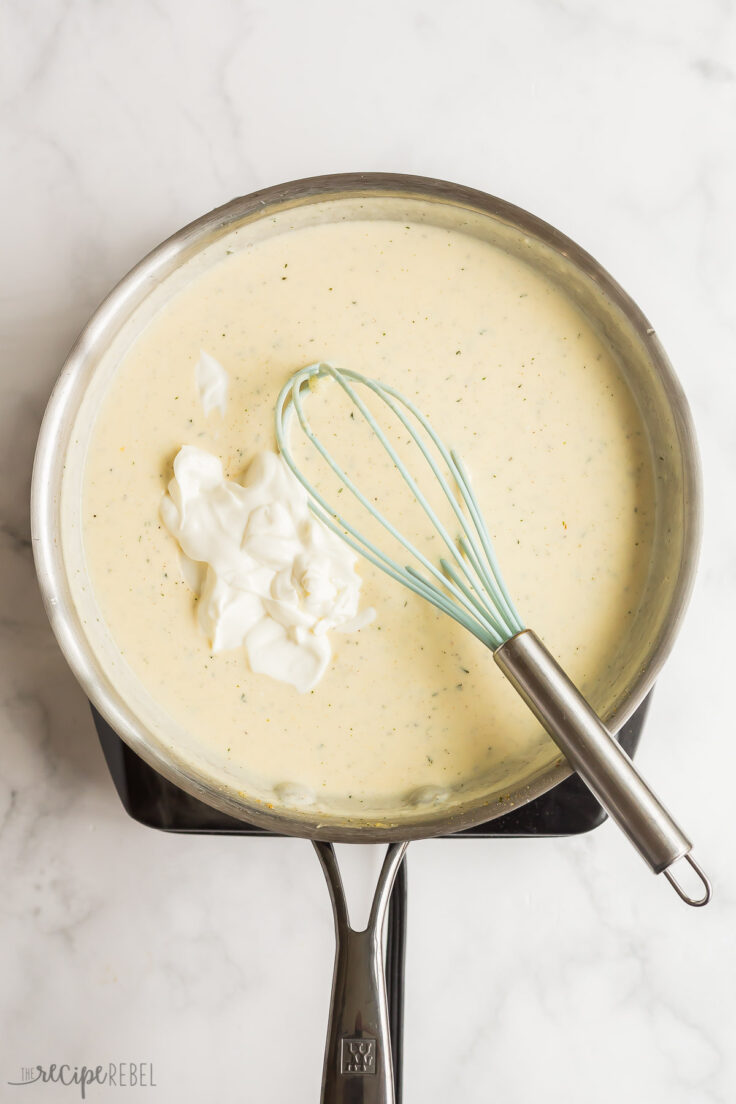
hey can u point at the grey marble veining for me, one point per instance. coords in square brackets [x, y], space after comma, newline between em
[550, 970]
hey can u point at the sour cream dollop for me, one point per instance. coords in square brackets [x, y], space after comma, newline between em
[275, 580]
[212, 383]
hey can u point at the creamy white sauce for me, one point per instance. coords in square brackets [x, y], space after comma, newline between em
[510, 374]
[276, 580]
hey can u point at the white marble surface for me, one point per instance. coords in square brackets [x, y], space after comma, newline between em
[556, 970]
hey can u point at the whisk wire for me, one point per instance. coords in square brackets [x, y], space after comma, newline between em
[477, 598]
[407, 576]
[387, 394]
[463, 480]
[475, 592]
[437, 598]
[489, 582]
[450, 572]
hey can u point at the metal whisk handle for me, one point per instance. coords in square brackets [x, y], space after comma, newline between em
[596, 756]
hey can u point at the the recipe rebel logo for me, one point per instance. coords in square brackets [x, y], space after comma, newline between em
[115, 1075]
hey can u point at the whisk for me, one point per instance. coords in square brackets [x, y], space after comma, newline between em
[466, 584]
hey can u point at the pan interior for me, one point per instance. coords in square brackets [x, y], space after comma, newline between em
[147, 714]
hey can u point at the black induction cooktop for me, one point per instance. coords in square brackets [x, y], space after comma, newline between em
[151, 799]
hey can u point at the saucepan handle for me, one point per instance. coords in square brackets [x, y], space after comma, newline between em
[597, 757]
[358, 1067]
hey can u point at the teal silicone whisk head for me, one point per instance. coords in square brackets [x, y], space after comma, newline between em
[465, 582]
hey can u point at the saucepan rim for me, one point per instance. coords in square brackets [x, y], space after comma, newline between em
[45, 505]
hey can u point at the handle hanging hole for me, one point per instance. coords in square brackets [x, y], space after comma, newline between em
[696, 902]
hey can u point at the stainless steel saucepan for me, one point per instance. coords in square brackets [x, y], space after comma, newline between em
[357, 1062]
